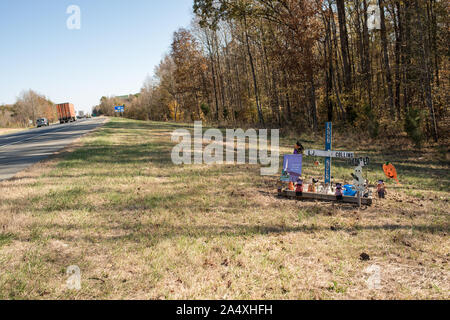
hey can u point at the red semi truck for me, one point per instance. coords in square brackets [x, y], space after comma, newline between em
[66, 112]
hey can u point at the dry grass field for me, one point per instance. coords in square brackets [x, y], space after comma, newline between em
[140, 227]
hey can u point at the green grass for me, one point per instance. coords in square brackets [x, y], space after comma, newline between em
[140, 227]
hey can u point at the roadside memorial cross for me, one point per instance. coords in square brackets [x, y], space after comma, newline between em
[328, 154]
[292, 169]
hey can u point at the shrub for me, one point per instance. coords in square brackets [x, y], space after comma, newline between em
[413, 121]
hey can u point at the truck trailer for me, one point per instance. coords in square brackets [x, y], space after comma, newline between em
[66, 113]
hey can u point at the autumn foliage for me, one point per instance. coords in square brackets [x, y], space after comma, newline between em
[297, 63]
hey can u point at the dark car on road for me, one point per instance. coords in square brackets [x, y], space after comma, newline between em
[42, 123]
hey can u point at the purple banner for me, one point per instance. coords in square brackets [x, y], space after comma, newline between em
[293, 165]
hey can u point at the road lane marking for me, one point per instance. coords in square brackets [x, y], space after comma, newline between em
[40, 135]
[9, 169]
[33, 137]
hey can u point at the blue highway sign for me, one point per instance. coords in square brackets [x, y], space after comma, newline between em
[119, 109]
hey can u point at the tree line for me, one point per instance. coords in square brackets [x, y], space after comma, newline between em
[298, 63]
[28, 107]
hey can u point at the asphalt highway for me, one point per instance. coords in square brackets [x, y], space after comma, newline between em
[23, 149]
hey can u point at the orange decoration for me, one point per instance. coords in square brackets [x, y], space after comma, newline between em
[291, 186]
[390, 171]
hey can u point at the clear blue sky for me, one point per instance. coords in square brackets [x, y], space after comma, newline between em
[120, 42]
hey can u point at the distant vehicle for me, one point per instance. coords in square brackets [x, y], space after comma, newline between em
[66, 113]
[43, 122]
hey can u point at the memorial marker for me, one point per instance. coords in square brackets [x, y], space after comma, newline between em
[328, 154]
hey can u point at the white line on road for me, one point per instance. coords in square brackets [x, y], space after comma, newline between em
[40, 135]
